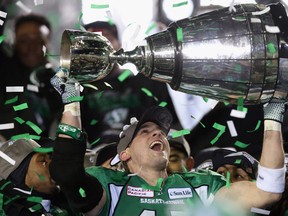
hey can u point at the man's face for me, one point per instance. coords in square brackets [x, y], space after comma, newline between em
[149, 148]
[177, 160]
[29, 42]
[38, 175]
[236, 174]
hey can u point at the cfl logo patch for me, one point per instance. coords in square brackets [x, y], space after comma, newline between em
[3, 15]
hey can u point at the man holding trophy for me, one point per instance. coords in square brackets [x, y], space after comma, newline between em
[250, 70]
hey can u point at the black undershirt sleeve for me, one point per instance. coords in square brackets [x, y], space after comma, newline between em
[67, 168]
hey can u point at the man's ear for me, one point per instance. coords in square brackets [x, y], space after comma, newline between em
[190, 163]
[124, 155]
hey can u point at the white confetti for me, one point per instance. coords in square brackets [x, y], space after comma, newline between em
[3, 14]
[14, 89]
[272, 29]
[44, 50]
[107, 84]
[6, 126]
[232, 128]
[266, 10]
[32, 88]
[7, 158]
[38, 2]
[23, 7]
[237, 113]
[255, 20]
[260, 211]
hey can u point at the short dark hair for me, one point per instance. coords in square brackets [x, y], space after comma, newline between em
[36, 18]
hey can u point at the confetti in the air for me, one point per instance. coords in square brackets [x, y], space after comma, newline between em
[7, 158]
[232, 128]
[260, 211]
[3, 15]
[14, 89]
[6, 126]
[38, 2]
[23, 7]
[179, 33]
[221, 129]
[241, 144]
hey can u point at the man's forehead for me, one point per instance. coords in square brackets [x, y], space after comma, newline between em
[149, 124]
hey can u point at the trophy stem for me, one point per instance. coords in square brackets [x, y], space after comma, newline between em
[136, 56]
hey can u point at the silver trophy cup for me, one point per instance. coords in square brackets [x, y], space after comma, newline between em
[224, 55]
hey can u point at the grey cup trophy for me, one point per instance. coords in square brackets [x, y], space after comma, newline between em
[224, 55]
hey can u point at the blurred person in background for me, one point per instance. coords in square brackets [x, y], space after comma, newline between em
[180, 159]
[241, 166]
[25, 184]
[29, 70]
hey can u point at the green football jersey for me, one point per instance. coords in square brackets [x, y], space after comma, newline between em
[177, 195]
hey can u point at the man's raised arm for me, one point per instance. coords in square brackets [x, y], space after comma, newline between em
[270, 181]
[83, 192]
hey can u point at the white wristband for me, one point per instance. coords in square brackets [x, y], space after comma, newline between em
[271, 180]
[270, 125]
[74, 108]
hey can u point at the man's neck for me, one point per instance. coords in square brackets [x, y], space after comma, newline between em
[151, 176]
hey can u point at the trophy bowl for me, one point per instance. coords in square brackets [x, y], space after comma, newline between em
[85, 55]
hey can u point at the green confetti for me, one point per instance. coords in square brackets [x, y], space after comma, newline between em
[238, 161]
[240, 103]
[99, 95]
[1, 202]
[20, 107]
[75, 98]
[124, 75]
[241, 144]
[12, 100]
[20, 136]
[163, 104]
[5, 185]
[228, 179]
[78, 25]
[34, 137]
[52, 55]
[40, 176]
[19, 120]
[43, 150]
[257, 126]
[2, 38]
[34, 199]
[271, 48]
[221, 129]
[179, 33]
[35, 208]
[82, 192]
[34, 127]
[96, 6]
[11, 199]
[180, 4]
[93, 122]
[157, 187]
[180, 133]
[198, 121]
[151, 27]
[238, 68]
[147, 92]
[95, 141]
[205, 99]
